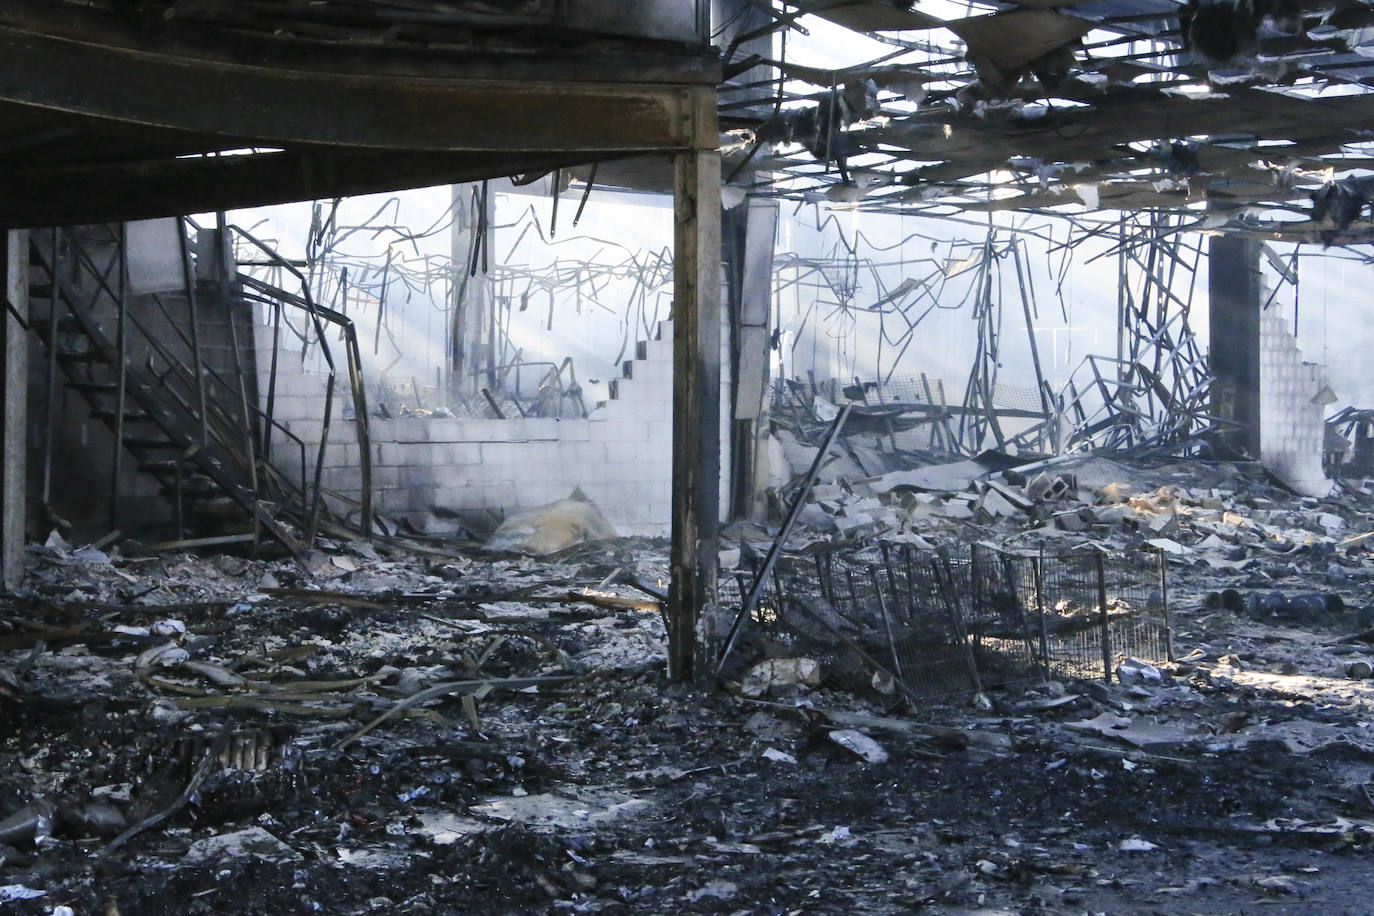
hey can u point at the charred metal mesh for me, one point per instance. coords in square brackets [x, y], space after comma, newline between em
[934, 623]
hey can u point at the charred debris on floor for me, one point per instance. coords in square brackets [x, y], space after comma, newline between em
[408, 725]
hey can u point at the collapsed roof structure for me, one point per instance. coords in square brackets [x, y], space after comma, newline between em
[1253, 117]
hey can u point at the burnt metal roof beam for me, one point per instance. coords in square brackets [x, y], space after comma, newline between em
[144, 190]
[283, 107]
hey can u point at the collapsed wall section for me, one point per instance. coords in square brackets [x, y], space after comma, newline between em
[436, 472]
[1293, 398]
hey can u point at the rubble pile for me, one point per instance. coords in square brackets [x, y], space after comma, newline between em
[1228, 517]
[407, 728]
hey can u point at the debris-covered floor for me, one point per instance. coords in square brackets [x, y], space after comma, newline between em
[433, 731]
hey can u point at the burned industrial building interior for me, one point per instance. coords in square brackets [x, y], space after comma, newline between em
[746, 456]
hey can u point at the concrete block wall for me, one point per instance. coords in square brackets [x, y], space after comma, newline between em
[1292, 423]
[428, 471]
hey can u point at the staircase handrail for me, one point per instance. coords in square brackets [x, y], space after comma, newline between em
[319, 314]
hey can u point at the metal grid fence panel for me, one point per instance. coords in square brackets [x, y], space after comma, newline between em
[937, 623]
[1101, 607]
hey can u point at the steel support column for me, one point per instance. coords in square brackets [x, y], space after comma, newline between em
[14, 265]
[696, 413]
[1233, 281]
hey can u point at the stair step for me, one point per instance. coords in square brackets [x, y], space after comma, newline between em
[135, 416]
[66, 324]
[151, 443]
[201, 489]
[97, 387]
[215, 505]
[81, 356]
[627, 369]
[171, 466]
[613, 387]
[641, 349]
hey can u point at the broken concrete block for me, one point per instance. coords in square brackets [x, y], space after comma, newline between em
[1109, 515]
[956, 509]
[1062, 485]
[781, 677]
[1070, 521]
[1133, 671]
[996, 505]
[1039, 487]
[1165, 524]
[1014, 497]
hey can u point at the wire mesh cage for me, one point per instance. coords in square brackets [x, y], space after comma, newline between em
[1099, 607]
[934, 623]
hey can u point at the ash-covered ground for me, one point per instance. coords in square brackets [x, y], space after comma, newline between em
[382, 728]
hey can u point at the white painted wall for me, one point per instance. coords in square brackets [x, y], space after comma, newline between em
[1292, 429]
[427, 470]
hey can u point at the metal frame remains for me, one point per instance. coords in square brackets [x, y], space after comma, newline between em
[1103, 104]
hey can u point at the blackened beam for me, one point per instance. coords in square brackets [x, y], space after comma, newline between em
[35, 195]
[276, 103]
[14, 286]
[691, 608]
[546, 54]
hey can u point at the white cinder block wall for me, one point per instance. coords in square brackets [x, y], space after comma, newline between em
[1292, 425]
[427, 470]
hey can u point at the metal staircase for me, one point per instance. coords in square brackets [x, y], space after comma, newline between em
[139, 364]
